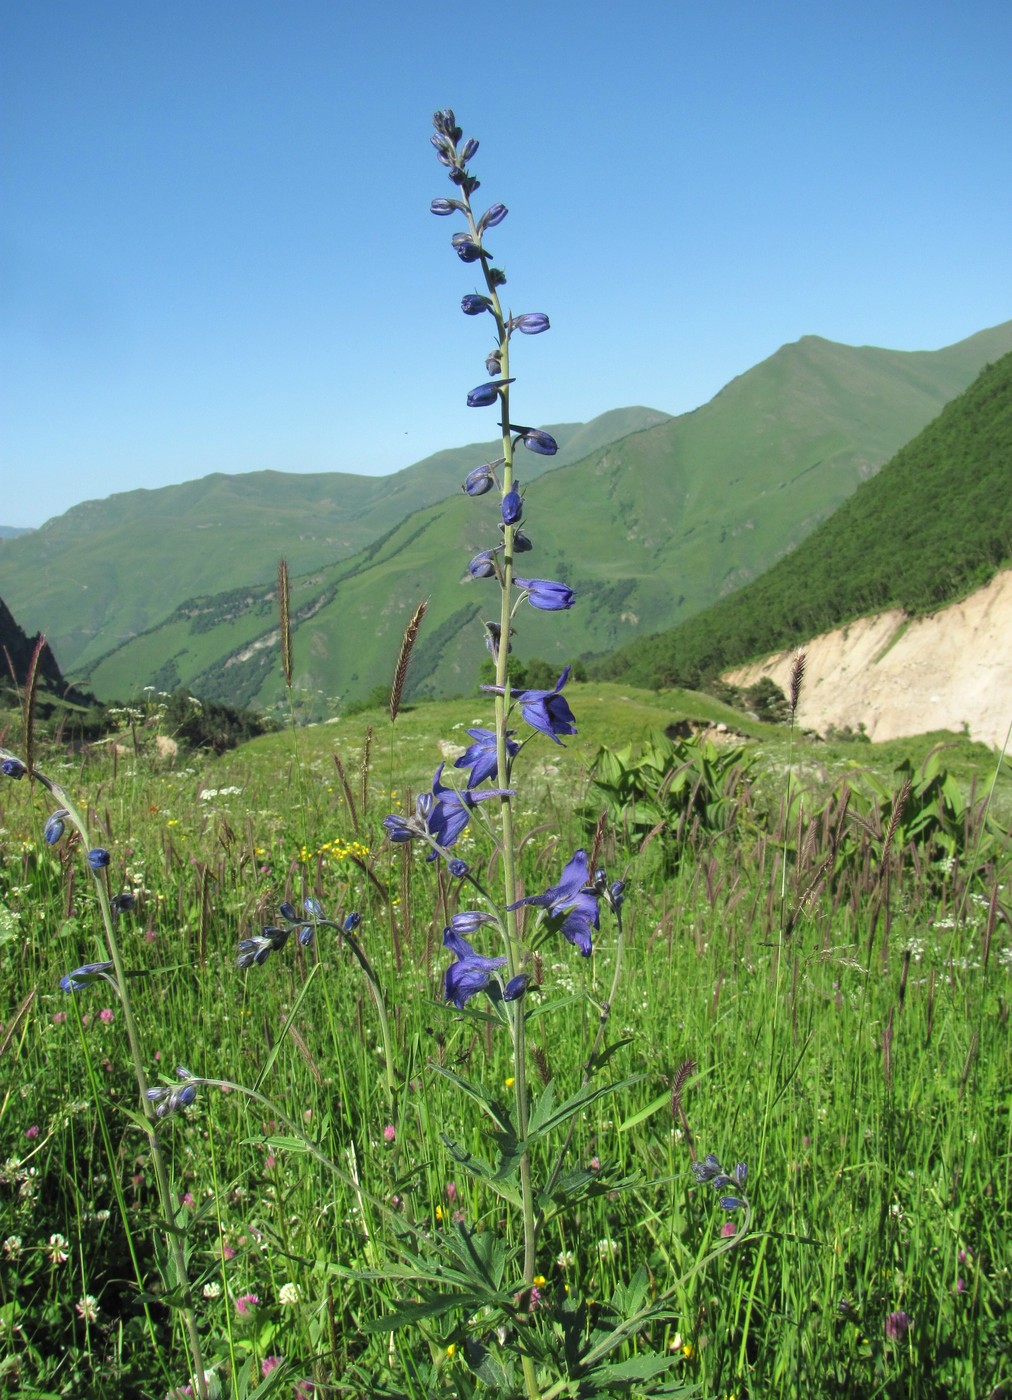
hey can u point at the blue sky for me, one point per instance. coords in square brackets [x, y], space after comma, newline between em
[216, 252]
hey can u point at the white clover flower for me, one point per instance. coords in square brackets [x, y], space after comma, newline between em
[57, 1249]
[566, 1259]
[607, 1249]
[212, 1290]
[288, 1294]
[12, 1246]
[87, 1308]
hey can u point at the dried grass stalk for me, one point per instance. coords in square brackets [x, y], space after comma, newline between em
[403, 657]
[797, 676]
[31, 689]
[286, 622]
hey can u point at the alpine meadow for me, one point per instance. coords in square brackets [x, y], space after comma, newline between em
[428, 976]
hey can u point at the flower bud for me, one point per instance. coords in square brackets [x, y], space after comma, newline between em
[469, 150]
[482, 565]
[474, 305]
[98, 859]
[496, 275]
[458, 868]
[13, 768]
[493, 361]
[287, 911]
[486, 394]
[351, 921]
[479, 481]
[491, 217]
[543, 443]
[442, 207]
[465, 247]
[512, 507]
[515, 987]
[55, 827]
[530, 323]
[445, 122]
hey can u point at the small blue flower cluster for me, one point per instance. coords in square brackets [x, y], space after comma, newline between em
[709, 1172]
[256, 950]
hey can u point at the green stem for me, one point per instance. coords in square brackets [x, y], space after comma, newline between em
[172, 1235]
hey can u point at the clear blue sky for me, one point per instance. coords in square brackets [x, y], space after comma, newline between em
[216, 252]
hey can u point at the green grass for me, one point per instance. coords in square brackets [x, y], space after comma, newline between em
[861, 1070]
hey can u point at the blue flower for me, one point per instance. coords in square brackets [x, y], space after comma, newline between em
[474, 305]
[458, 868]
[515, 987]
[530, 323]
[259, 948]
[55, 826]
[483, 564]
[470, 973]
[536, 441]
[545, 594]
[446, 206]
[486, 394]
[512, 507]
[470, 921]
[13, 768]
[544, 710]
[710, 1172]
[571, 905]
[492, 216]
[481, 756]
[98, 858]
[440, 815]
[170, 1098]
[465, 247]
[83, 976]
[482, 479]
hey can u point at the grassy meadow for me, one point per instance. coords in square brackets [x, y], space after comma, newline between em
[829, 1005]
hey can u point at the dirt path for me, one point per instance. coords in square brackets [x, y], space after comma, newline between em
[902, 676]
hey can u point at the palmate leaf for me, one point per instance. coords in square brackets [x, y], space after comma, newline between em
[493, 1370]
[496, 1177]
[575, 1104]
[482, 1255]
[432, 1305]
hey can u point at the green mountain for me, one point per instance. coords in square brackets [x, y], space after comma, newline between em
[934, 524]
[648, 529]
[109, 569]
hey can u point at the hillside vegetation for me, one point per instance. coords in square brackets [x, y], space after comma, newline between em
[933, 525]
[647, 529]
[109, 569]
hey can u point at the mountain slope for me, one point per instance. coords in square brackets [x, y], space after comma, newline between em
[935, 523]
[109, 569]
[655, 525]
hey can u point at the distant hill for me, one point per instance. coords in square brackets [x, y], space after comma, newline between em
[17, 649]
[11, 532]
[934, 524]
[647, 529]
[108, 569]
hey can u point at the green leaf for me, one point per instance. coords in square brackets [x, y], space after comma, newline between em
[276, 1048]
[497, 1111]
[482, 1170]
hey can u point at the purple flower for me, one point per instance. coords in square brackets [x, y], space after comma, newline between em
[483, 564]
[492, 216]
[486, 394]
[897, 1325]
[571, 905]
[55, 826]
[13, 768]
[481, 757]
[479, 481]
[544, 710]
[530, 323]
[469, 921]
[98, 859]
[474, 305]
[440, 815]
[83, 976]
[515, 987]
[544, 594]
[469, 150]
[537, 441]
[470, 973]
[171, 1098]
[458, 868]
[258, 949]
[512, 507]
[465, 247]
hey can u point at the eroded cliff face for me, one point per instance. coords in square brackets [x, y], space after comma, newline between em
[898, 675]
